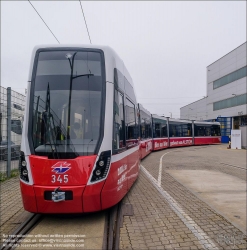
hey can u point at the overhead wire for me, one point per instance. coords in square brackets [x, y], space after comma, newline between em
[43, 21]
[85, 22]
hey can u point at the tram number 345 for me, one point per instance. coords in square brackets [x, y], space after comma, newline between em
[59, 178]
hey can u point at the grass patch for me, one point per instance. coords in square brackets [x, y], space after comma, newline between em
[13, 173]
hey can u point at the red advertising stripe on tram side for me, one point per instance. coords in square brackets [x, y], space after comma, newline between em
[146, 148]
[160, 143]
[183, 141]
[207, 140]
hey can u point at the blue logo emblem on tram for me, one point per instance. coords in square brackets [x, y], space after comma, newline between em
[61, 167]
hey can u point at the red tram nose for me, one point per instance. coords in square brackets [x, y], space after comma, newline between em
[59, 186]
[56, 172]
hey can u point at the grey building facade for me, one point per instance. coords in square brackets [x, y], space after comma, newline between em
[226, 96]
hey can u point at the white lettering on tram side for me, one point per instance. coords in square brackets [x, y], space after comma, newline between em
[173, 143]
[149, 146]
[121, 179]
[120, 187]
[160, 144]
[121, 169]
[183, 142]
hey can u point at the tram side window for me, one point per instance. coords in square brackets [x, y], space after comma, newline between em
[156, 130]
[207, 131]
[148, 132]
[199, 131]
[130, 122]
[172, 130]
[119, 123]
[159, 128]
[163, 130]
[145, 125]
[215, 130]
[142, 129]
[186, 130]
[202, 130]
[189, 130]
[180, 130]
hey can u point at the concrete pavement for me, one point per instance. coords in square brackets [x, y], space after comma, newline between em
[167, 215]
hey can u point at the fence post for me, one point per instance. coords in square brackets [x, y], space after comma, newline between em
[8, 131]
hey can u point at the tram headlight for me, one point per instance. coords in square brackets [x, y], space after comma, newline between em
[25, 172]
[102, 166]
[98, 172]
[101, 163]
[23, 168]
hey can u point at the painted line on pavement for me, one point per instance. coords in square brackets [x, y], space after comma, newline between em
[202, 237]
[160, 168]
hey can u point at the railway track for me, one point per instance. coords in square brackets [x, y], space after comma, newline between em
[19, 233]
[110, 240]
[114, 222]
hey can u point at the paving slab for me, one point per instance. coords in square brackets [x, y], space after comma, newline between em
[11, 208]
[168, 215]
[225, 193]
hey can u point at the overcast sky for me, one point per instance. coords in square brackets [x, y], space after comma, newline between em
[166, 46]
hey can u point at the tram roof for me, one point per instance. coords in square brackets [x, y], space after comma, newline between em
[108, 51]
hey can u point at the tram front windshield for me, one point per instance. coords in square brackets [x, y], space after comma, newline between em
[67, 103]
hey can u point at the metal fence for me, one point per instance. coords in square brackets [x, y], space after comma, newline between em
[12, 106]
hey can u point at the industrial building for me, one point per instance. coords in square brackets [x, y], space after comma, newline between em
[226, 96]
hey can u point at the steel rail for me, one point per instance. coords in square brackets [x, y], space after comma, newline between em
[19, 233]
[114, 221]
[112, 228]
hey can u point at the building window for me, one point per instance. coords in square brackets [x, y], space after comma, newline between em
[234, 76]
[230, 102]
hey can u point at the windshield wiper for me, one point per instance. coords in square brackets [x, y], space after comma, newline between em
[48, 129]
[36, 115]
[46, 116]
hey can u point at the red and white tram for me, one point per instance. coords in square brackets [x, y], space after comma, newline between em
[175, 133]
[84, 133]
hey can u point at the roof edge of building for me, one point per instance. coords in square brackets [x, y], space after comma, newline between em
[194, 102]
[227, 54]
